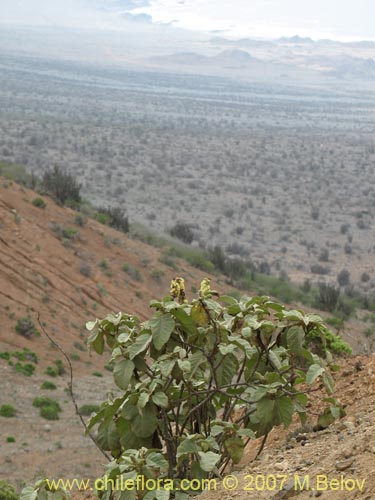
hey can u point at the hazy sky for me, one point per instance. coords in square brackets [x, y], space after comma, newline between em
[340, 19]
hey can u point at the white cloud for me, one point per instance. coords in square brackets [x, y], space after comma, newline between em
[268, 18]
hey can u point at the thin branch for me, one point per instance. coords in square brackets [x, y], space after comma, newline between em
[261, 446]
[70, 386]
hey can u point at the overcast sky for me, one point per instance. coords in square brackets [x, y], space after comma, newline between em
[339, 19]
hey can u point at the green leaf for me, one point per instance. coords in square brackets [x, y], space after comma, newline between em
[246, 433]
[208, 460]
[143, 399]
[328, 382]
[128, 495]
[141, 344]
[123, 372]
[227, 299]
[155, 459]
[326, 419]
[235, 447]
[295, 338]
[160, 399]
[284, 410]
[227, 368]
[184, 365]
[335, 411]
[179, 495]
[166, 367]
[29, 493]
[313, 373]
[108, 438]
[185, 320]
[162, 326]
[275, 360]
[145, 425]
[96, 341]
[187, 446]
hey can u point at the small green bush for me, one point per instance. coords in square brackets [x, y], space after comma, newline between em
[26, 369]
[49, 413]
[39, 202]
[60, 367]
[7, 491]
[25, 327]
[48, 386]
[49, 408]
[79, 346]
[25, 355]
[87, 410]
[7, 411]
[80, 220]
[11, 439]
[132, 271]
[97, 374]
[41, 401]
[51, 371]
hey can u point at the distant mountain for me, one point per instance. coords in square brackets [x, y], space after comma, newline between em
[243, 42]
[234, 56]
[295, 39]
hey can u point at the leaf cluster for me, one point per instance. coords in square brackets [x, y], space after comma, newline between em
[200, 379]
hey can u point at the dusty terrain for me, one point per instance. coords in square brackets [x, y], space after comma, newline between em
[41, 272]
[274, 173]
[346, 449]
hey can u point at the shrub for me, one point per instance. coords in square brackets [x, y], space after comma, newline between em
[85, 270]
[202, 378]
[39, 202]
[79, 346]
[343, 278]
[51, 371]
[48, 386]
[157, 274]
[62, 186]
[183, 232]
[87, 410]
[59, 367]
[41, 401]
[328, 297]
[365, 277]
[26, 369]
[10, 439]
[7, 491]
[80, 220]
[25, 355]
[7, 411]
[26, 327]
[114, 217]
[319, 269]
[132, 271]
[49, 412]
[49, 408]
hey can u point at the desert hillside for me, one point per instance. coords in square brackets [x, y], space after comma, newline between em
[69, 269]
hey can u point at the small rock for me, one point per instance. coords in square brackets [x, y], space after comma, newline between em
[344, 464]
[46, 427]
[281, 466]
[301, 437]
